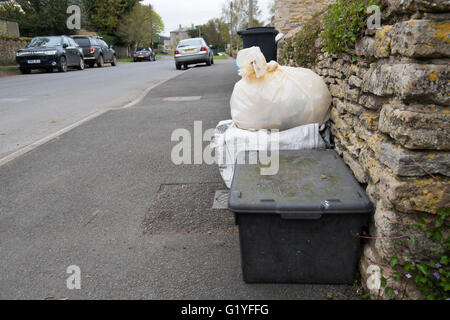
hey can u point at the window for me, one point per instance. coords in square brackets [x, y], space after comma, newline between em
[83, 42]
[65, 41]
[72, 43]
[45, 42]
[190, 42]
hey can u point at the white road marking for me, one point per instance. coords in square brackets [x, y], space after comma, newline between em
[182, 99]
[12, 100]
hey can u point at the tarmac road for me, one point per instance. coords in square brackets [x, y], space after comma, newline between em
[35, 106]
[107, 198]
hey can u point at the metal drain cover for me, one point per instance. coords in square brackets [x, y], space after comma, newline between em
[182, 99]
[186, 208]
[221, 199]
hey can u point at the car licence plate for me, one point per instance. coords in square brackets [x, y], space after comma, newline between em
[33, 61]
[141, 56]
[189, 50]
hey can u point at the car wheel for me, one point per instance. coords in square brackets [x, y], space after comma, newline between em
[25, 70]
[208, 63]
[100, 62]
[62, 64]
[114, 61]
[178, 66]
[212, 60]
[81, 64]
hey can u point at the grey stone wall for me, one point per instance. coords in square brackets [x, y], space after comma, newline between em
[8, 49]
[391, 116]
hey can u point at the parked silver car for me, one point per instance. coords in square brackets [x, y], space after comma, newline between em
[192, 51]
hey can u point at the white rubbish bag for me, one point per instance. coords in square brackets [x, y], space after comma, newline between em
[229, 141]
[270, 96]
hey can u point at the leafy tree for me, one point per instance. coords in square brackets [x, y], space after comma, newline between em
[106, 15]
[10, 10]
[215, 33]
[140, 26]
[194, 32]
[239, 15]
[157, 25]
[38, 17]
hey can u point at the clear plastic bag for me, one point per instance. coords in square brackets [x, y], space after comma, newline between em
[229, 141]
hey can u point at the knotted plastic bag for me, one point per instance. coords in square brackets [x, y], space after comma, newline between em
[270, 96]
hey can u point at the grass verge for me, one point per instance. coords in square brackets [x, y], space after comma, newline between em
[220, 57]
[9, 68]
[125, 60]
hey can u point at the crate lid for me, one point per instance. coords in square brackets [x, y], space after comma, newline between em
[309, 183]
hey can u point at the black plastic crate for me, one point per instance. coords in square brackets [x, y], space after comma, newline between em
[300, 225]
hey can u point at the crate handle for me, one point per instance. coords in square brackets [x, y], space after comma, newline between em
[301, 216]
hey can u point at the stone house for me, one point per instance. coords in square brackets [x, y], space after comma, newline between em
[9, 28]
[176, 36]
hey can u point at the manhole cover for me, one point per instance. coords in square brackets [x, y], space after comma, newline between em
[182, 99]
[221, 200]
[187, 208]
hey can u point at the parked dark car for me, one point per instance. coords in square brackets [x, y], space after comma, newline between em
[50, 52]
[96, 51]
[144, 53]
[108, 53]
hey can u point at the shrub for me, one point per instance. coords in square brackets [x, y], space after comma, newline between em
[345, 23]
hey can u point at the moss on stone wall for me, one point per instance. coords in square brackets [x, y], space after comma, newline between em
[338, 28]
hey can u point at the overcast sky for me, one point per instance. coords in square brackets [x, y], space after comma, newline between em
[187, 12]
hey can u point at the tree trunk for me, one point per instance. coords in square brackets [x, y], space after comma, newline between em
[250, 14]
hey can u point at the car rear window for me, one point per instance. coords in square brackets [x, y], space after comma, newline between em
[190, 42]
[82, 41]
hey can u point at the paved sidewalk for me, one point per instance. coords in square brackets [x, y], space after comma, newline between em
[107, 198]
